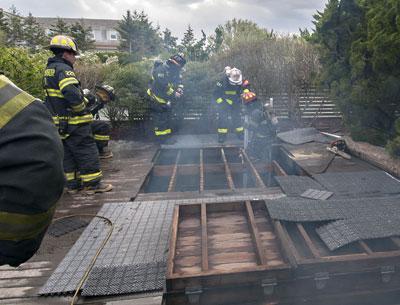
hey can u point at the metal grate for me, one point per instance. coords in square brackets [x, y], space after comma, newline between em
[297, 185]
[302, 136]
[65, 226]
[342, 232]
[356, 184]
[114, 280]
[140, 236]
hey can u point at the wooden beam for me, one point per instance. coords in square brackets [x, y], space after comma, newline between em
[286, 243]
[279, 171]
[201, 171]
[254, 235]
[308, 240]
[365, 247]
[172, 180]
[227, 171]
[204, 238]
[257, 177]
[172, 242]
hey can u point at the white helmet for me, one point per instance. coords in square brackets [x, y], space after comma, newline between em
[235, 76]
[227, 70]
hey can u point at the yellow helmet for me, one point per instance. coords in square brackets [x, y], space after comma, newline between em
[63, 42]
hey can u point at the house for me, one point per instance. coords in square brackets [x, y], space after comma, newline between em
[103, 30]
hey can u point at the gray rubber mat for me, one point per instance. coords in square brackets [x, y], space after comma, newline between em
[303, 210]
[115, 280]
[302, 136]
[67, 225]
[342, 232]
[316, 194]
[356, 184]
[140, 236]
[308, 210]
[297, 185]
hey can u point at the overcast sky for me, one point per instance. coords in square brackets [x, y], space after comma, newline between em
[284, 16]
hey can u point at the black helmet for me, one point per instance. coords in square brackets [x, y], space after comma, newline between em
[178, 59]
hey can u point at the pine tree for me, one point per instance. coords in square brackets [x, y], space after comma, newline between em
[60, 27]
[14, 32]
[34, 35]
[138, 35]
[188, 39]
[81, 34]
[169, 41]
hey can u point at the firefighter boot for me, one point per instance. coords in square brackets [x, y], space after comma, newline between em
[105, 153]
[98, 188]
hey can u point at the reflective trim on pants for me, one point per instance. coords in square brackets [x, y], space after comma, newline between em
[222, 130]
[99, 137]
[162, 132]
[239, 129]
[91, 177]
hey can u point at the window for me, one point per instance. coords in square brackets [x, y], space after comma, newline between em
[92, 36]
[113, 35]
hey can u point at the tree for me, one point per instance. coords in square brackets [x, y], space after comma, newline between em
[34, 35]
[14, 29]
[60, 27]
[138, 35]
[216, 40]
[196, 50]
[82, 35]
[169, 41]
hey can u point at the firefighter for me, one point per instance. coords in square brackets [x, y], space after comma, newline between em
[31, 173]
[227, 96]
[101, 129]
[165, 89]
[261, 126]
[66, 102]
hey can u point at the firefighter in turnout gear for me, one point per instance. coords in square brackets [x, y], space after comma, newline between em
[66, 102]
[103, 95]
[31, 173]
[165, 88]
[227, 96]
[261, 125]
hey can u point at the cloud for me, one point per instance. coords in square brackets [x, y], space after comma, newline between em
[284, 16]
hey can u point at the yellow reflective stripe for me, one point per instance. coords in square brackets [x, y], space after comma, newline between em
[230, 92]
[230, 102]
[11, 108]
[222, 130]
[67, 81]
[219, 100]
[87, 118]
[78, 108]
[246, 91]
[239, 129]
[101, 137]
[70, 176]
[91, 177]
[162, 132]
[158, 99]
[170, 90]
[17, 226]
[53, 93]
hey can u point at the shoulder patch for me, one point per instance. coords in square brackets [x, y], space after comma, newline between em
[160, 75]
[70, 73]
[219, 84]
[49, 72]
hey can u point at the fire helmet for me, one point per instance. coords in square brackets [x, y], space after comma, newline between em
[63, 42]
[178, 59]
[235, 76]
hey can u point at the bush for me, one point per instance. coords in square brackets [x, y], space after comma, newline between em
[130, 84]
[25, 69]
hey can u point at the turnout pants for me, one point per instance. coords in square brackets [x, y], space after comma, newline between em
[81, 158]
[162, 120]
[226, 111]
[101, 134]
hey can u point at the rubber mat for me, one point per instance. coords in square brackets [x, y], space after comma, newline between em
[297, 185]
[65, 226]
[316, 194]
[140, 236]
[356, 184]
[342, 232]
[302, 136]
[115, 280]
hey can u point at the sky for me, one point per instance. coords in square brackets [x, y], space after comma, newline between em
[284, 16]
